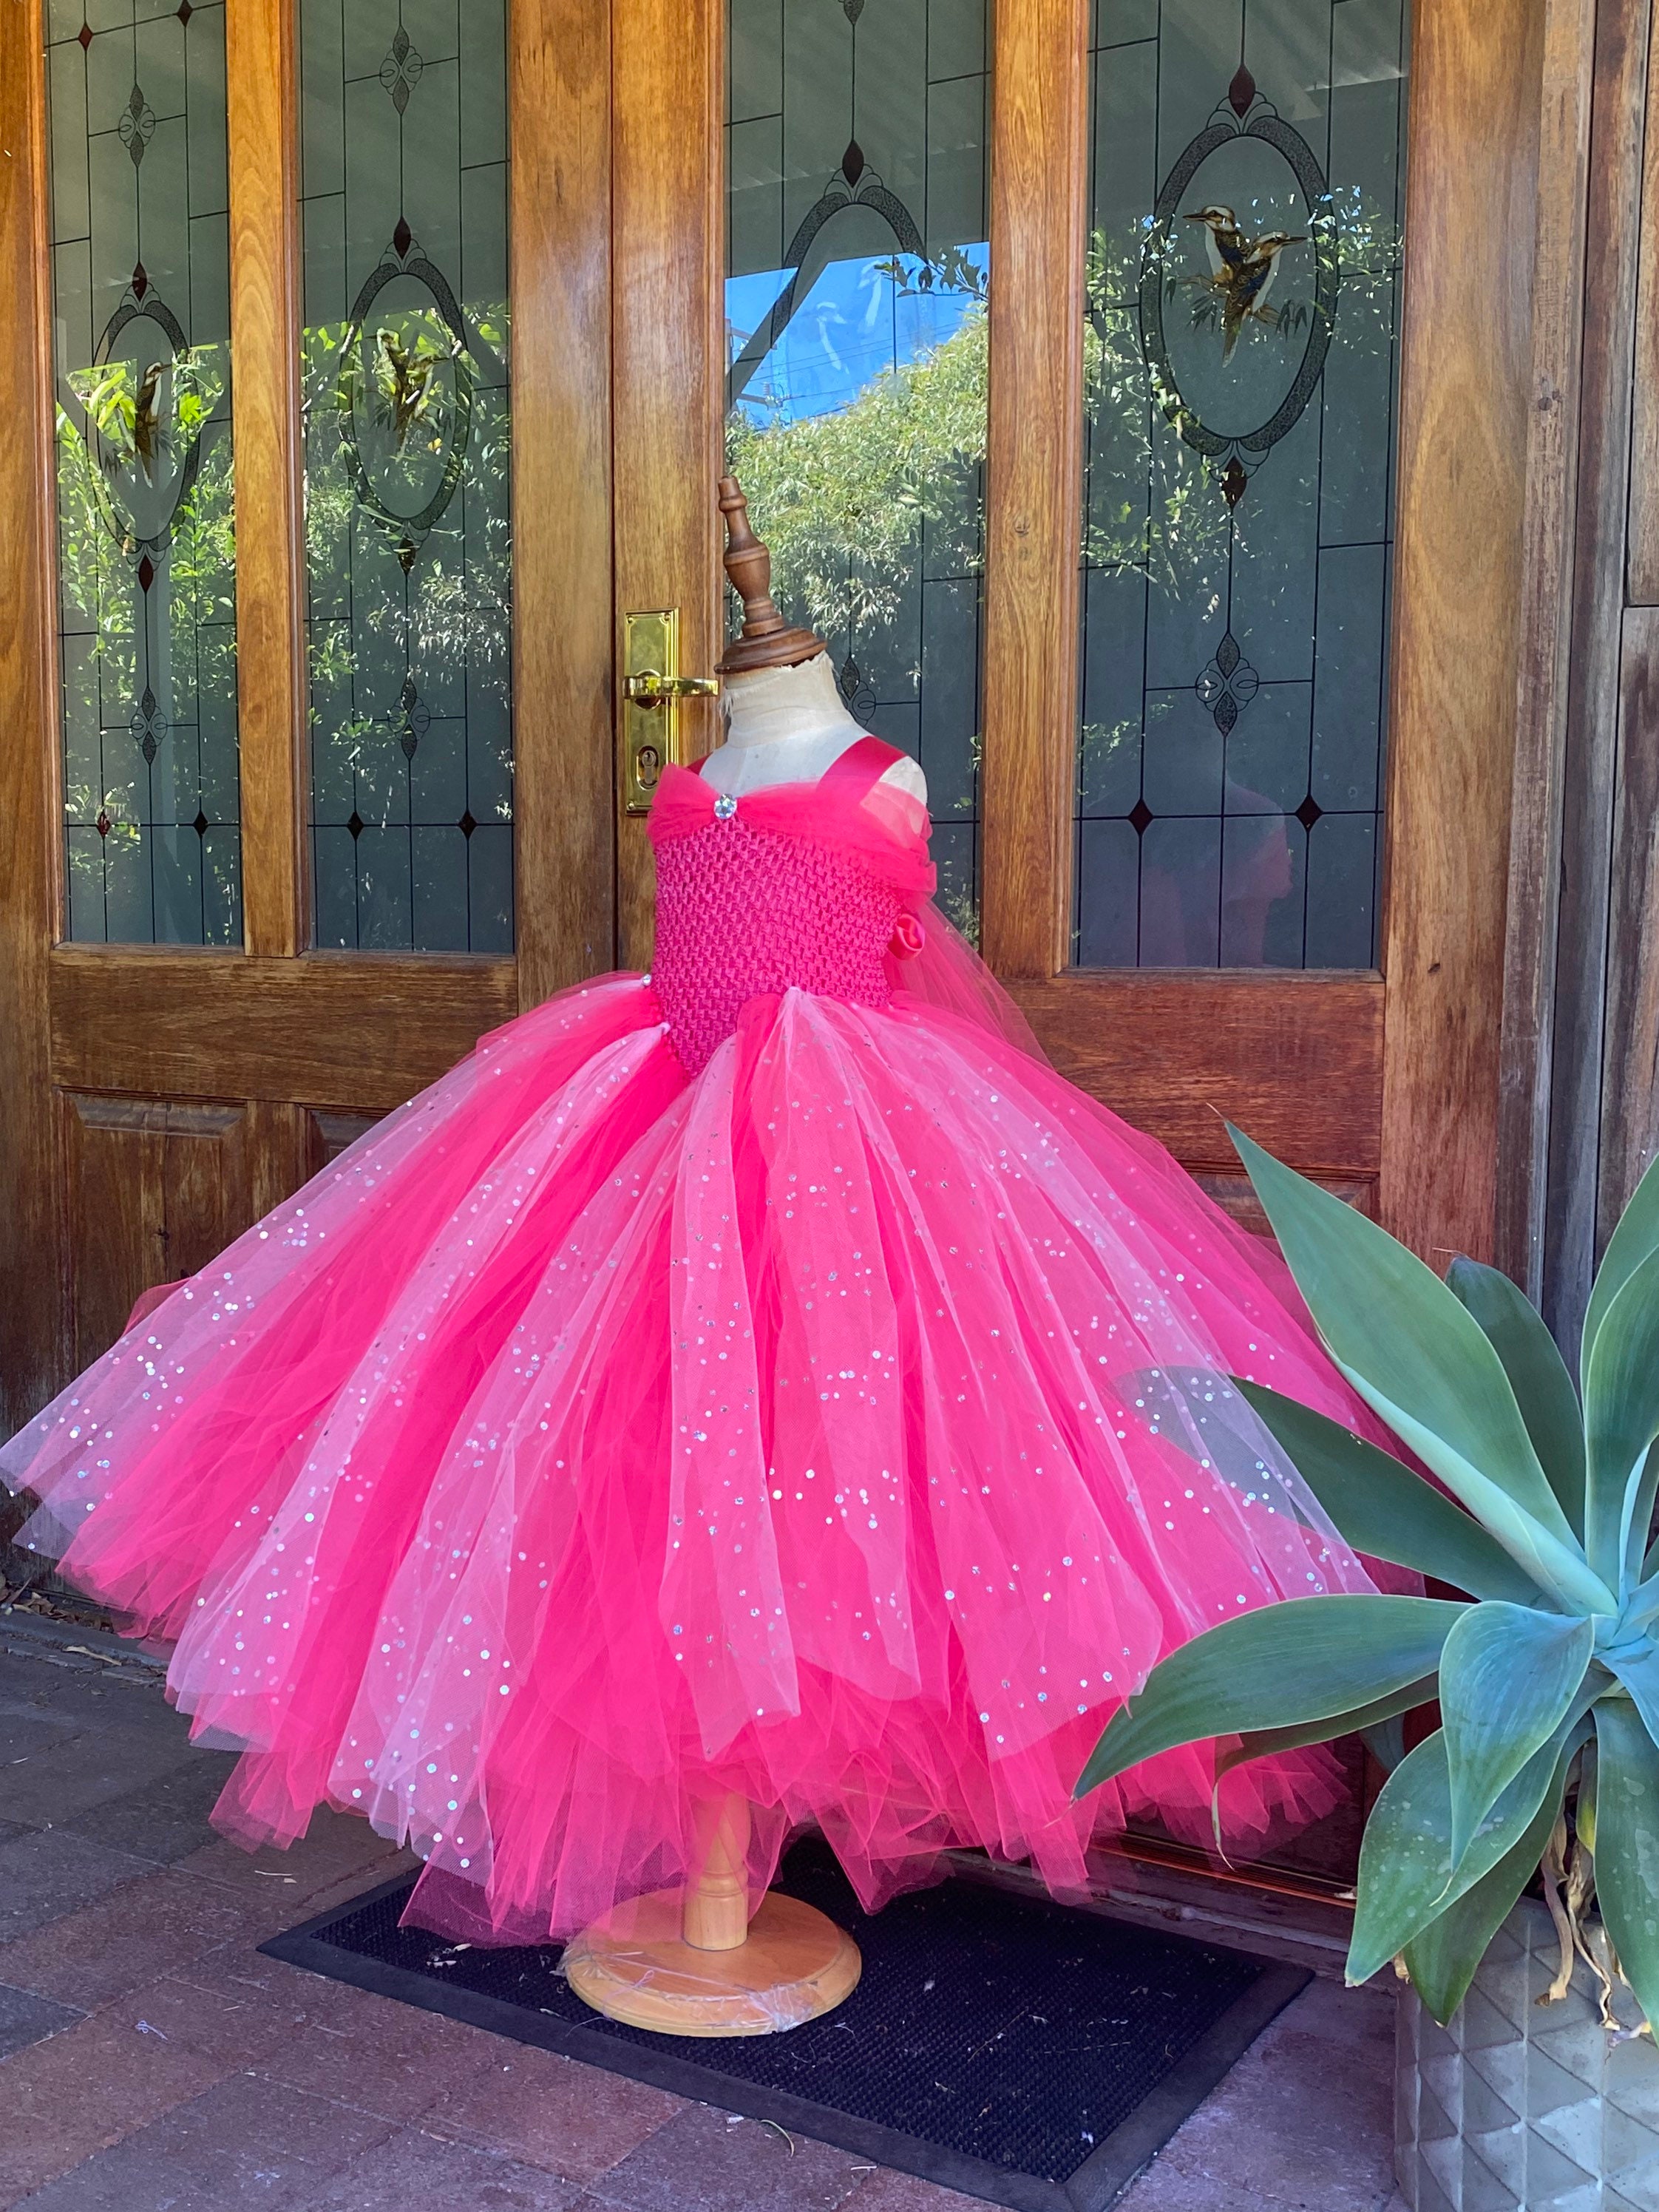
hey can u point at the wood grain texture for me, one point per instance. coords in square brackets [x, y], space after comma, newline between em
[1236, 1195]
[560, 244]
[1465, 382]
[328, 1135]
[1034, 481]
[278, 1151]
[1630, 1098]
[1642, 565]
[157, 1189]
[329, 1030]
[271, 691]
[1546, 615]
[1296, 1060]
[33, 1294]
[1620, 96]
[667, 336]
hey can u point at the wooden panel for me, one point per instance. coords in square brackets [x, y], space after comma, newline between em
[279, 1157]
[330, 1031]
[560, 221]
[156, 1190]
[1642, 566]
[1581, 976]
[1296, 1060]
[1630, 1100]
[1535, 872]
[32, 1301]
[1236, 1195]
[328, 1135]
[265, 338]
[668, 336]
[1034, 481]
[1465, 380]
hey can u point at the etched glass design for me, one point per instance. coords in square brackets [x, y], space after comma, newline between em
[1242, 294]
[141, 319]
[403, 118]
[857, 270]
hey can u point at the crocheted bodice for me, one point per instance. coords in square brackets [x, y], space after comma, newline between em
[768, 892]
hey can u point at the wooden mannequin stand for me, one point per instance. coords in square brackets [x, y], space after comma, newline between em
[693, 1961]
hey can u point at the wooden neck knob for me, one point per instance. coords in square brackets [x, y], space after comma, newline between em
[767, 642]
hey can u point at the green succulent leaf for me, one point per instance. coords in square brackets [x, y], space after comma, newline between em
[1383, 1508]
[1584, 1811]
[1303, 1660]
[1407, 1876]
[1627, 1845]
[1507, 1676]
[1638, 1670]
[1390, 1319]
[1386, 1742]
[1622, 1418]
[1442, 1957]
[1636, 1236]
[1538, 1376]
[1265, 1743]
[1422, 1362]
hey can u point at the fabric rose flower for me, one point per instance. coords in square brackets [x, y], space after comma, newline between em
[908, 938]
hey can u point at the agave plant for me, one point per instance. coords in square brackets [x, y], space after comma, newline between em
[1548, 1678]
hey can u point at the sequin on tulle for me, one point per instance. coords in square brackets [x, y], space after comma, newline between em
[766, 1377]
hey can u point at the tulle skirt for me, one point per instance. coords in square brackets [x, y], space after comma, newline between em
[846, 1427]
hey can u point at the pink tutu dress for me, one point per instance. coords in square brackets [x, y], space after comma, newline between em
[765, 1374]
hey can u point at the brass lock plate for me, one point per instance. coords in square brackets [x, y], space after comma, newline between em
[650, 730]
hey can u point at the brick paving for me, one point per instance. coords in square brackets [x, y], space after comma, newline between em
[152, 2060]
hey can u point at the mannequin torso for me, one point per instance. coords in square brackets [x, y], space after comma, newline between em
[786, 726]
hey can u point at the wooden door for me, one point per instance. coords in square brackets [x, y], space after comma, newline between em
[158, 1094]
[1378, 1075]
[307, 772]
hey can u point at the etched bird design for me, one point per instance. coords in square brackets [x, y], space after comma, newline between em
[404, 386]
[1242, 270]
[149, 437]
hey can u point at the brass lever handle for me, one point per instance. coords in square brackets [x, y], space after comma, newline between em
[650, 689]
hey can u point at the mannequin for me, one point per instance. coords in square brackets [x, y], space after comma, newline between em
[786, 725]
[696, 1961]
[785, 719]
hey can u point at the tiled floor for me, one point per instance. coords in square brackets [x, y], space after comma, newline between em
[151, 2061]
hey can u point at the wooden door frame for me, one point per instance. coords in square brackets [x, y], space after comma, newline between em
[34, 1285]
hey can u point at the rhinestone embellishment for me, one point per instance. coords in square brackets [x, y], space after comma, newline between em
[724, 807]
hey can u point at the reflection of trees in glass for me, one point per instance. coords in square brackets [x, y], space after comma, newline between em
[140, 422]
[840, 497]
[1152, 504]
[456, 612]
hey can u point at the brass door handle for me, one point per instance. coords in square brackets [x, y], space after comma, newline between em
[652, 691]
[651, 688]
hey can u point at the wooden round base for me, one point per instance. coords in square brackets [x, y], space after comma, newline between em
[635, 1965]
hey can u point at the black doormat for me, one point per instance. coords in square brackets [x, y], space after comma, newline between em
[996, 2043]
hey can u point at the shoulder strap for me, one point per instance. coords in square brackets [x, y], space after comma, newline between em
[863, 765]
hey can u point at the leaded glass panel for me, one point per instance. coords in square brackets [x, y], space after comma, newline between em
[1242, 285]
[140, 275]
[857, 270]
[403, 211]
